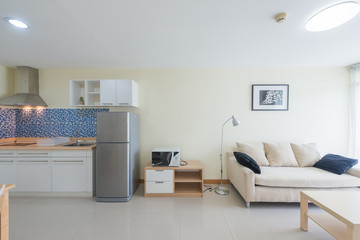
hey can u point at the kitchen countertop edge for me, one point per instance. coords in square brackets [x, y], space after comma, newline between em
[57, 147]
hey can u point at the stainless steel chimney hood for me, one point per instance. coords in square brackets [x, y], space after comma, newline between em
[27, 89]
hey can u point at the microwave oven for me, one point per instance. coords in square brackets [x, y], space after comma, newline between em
[165, 156]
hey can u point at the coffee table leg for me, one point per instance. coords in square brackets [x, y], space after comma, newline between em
[304, 208]
[353, 233]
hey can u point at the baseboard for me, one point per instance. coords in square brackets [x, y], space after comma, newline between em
[206, 181]
[216, 181]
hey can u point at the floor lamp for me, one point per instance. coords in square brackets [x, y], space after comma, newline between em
[221, 190]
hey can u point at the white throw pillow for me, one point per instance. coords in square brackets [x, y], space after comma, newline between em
[306, 154]
[280, 155]
[255, 151]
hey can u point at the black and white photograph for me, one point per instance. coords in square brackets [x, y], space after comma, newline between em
[270, 97]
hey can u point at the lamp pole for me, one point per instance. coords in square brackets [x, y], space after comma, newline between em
[220, 189]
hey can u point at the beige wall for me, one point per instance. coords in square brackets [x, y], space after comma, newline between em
[7, 81]
[187, 107]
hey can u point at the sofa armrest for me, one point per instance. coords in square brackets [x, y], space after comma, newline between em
[242, 178]
[355, 171]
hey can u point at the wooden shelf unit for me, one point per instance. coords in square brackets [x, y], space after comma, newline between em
[187, 180]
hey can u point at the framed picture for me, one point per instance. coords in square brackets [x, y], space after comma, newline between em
[270, 97]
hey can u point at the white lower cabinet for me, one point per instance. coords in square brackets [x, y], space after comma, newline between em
[33, 171]
[159, 187]
[69, 176]
[8, 167]
[159, 181]
[47, 171]
[69, 170]
[90, 180]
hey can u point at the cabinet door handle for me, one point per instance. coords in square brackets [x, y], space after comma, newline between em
[7, 161]
[38, 161]
[123, 103]
[33, 154]
[159, 182]
[107, 103]
[159, 170]
[7, 154]
[79, 161]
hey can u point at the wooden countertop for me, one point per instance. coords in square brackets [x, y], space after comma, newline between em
[36, 147]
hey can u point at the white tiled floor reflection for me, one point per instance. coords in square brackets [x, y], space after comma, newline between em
[211, 217]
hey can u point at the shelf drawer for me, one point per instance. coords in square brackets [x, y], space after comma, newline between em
[159, 175]
[159, 187]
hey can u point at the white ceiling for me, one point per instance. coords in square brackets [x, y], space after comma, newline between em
[172, 34]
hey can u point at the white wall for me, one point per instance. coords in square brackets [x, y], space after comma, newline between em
[7, 85]
[186, 107]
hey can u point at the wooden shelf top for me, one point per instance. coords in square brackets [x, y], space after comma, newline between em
[192, 165]
[187, 177]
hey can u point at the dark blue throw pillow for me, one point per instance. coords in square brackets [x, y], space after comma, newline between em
[247, 161]
[335, 163]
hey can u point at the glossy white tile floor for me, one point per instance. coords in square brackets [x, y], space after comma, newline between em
[211, 217]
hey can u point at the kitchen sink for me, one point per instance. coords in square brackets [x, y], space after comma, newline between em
[80, 144]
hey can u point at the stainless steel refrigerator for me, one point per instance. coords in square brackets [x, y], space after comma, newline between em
[117, 156]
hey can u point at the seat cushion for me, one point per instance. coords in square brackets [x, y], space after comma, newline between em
[309, 177]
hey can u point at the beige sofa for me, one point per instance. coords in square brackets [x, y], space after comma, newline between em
[282, 182]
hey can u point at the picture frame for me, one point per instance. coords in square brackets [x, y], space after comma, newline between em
[270, 97]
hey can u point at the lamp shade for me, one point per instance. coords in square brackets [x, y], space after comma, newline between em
[235, 121]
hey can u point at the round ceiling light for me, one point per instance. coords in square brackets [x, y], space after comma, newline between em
[17, 23]
[333, 16]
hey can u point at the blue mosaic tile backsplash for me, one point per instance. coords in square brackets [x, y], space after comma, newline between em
[7, 122]
[48, 122]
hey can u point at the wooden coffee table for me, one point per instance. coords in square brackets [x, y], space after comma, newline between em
[4, 213]
[342, 219]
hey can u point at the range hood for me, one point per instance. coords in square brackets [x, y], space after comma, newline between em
[27, 89]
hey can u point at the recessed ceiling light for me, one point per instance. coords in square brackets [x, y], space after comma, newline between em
[333, 16]
[17, 23]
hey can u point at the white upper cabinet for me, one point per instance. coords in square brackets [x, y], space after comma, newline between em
[126, 94]
[118, 92]
[109, 92]
[84, 93]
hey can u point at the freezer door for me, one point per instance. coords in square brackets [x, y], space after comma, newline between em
[113, 127]
[112, 170]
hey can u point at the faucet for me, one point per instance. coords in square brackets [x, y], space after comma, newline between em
[77, 137]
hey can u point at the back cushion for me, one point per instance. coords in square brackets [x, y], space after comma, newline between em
[280, 155]
[255, 151]
[306, 154]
